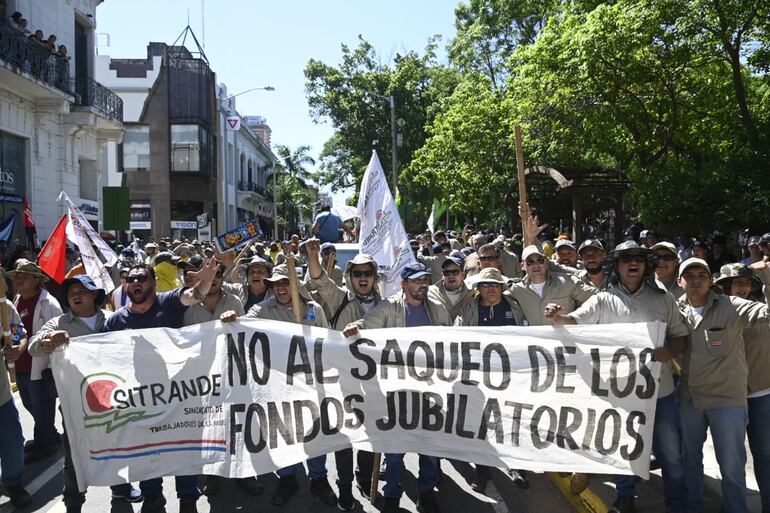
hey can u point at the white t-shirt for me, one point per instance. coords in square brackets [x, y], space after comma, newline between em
[697, 312]
[539, 288]
[90, 321]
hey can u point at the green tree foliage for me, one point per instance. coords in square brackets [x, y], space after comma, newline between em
[294, 195]
[671, 95]
[342, 95]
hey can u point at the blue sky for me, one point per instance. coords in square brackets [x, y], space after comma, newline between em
[257, 43]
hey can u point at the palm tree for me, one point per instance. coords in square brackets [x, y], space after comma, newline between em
[294, 195]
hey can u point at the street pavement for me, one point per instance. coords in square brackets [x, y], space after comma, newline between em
[44, 481]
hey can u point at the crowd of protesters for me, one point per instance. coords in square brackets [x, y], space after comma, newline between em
[711, 293]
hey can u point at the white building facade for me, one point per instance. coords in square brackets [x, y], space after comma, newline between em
[55, 119]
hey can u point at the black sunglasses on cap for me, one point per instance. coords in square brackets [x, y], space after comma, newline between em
[533, 261]
[626, 259]
[141, 278]
[362, 274]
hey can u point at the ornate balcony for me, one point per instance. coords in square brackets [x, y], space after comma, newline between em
[90, 93]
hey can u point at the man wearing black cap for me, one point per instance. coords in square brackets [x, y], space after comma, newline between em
[764, 245]
[83, 299]
[451, 290]
[633, 296]
[592, 254]
[566, 253]
[411, 308]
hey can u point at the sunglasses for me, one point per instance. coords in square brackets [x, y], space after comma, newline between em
[488, 258]
[667, 257]
[362, 274]
[141, 278]
[453, 272]
[533, 261]
[490, 285]
[627, 259]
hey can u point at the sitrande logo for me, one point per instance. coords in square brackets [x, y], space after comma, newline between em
[98, 400]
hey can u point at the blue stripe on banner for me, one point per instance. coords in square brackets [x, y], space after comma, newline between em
[158, 451]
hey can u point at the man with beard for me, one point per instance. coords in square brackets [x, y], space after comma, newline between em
[738, 280]
[492, 306]
[347, 304]
[714, 383]
[633, 296]
[592, 254]
[666, 268]
[150, 309]
[451, 290]
[566, 253]
[411, 308]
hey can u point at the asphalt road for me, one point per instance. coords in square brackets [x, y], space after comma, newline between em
[44, 481]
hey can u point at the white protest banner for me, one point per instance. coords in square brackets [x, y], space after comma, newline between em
[246, 398]
[77, 234]
[382, 233]
[107, 253]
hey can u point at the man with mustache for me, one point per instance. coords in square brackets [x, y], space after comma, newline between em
[592, 254]
[633, 296]
[150, 309]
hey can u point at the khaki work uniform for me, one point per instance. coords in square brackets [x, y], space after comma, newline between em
[562, 289]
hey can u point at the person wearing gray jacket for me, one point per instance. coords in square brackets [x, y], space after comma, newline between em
[345, 305]
[84, 299]
[410, 308]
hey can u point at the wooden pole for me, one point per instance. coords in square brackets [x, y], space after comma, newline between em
[375, 477]
[294, 289]
[523, 208]
[6, 323]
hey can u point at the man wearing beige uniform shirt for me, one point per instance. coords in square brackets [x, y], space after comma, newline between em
[712, 392]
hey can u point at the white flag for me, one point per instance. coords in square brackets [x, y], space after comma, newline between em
[431, 220]
[109, 256]
[382, 233]
[77, 233]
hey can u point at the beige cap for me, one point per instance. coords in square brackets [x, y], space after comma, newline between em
[489, 275]
[666, 245]
[693, 262]
[531, 250]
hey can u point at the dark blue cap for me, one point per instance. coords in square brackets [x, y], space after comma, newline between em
[414, 271]
[87, 282]
[459, 262]
[436, 248]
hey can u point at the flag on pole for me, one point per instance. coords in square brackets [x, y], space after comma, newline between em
[81, 233]
[52, 257]
[382, 233]
[7, 226]
[29, 225]
[436, 211]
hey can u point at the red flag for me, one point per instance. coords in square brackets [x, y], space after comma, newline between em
[29, 221]
[52, 257]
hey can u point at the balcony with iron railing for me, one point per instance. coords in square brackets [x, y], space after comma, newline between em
[24, 56]
[244, 185]
[90, 93]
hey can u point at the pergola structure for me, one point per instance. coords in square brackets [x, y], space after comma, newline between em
[578, 183]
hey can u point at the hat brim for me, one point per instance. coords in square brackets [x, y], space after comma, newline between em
[42, 276]
[416, 275]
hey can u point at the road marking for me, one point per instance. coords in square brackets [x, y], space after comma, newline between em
[49, 473]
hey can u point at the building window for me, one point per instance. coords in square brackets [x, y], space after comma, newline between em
[136, 148]
[189, 148]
